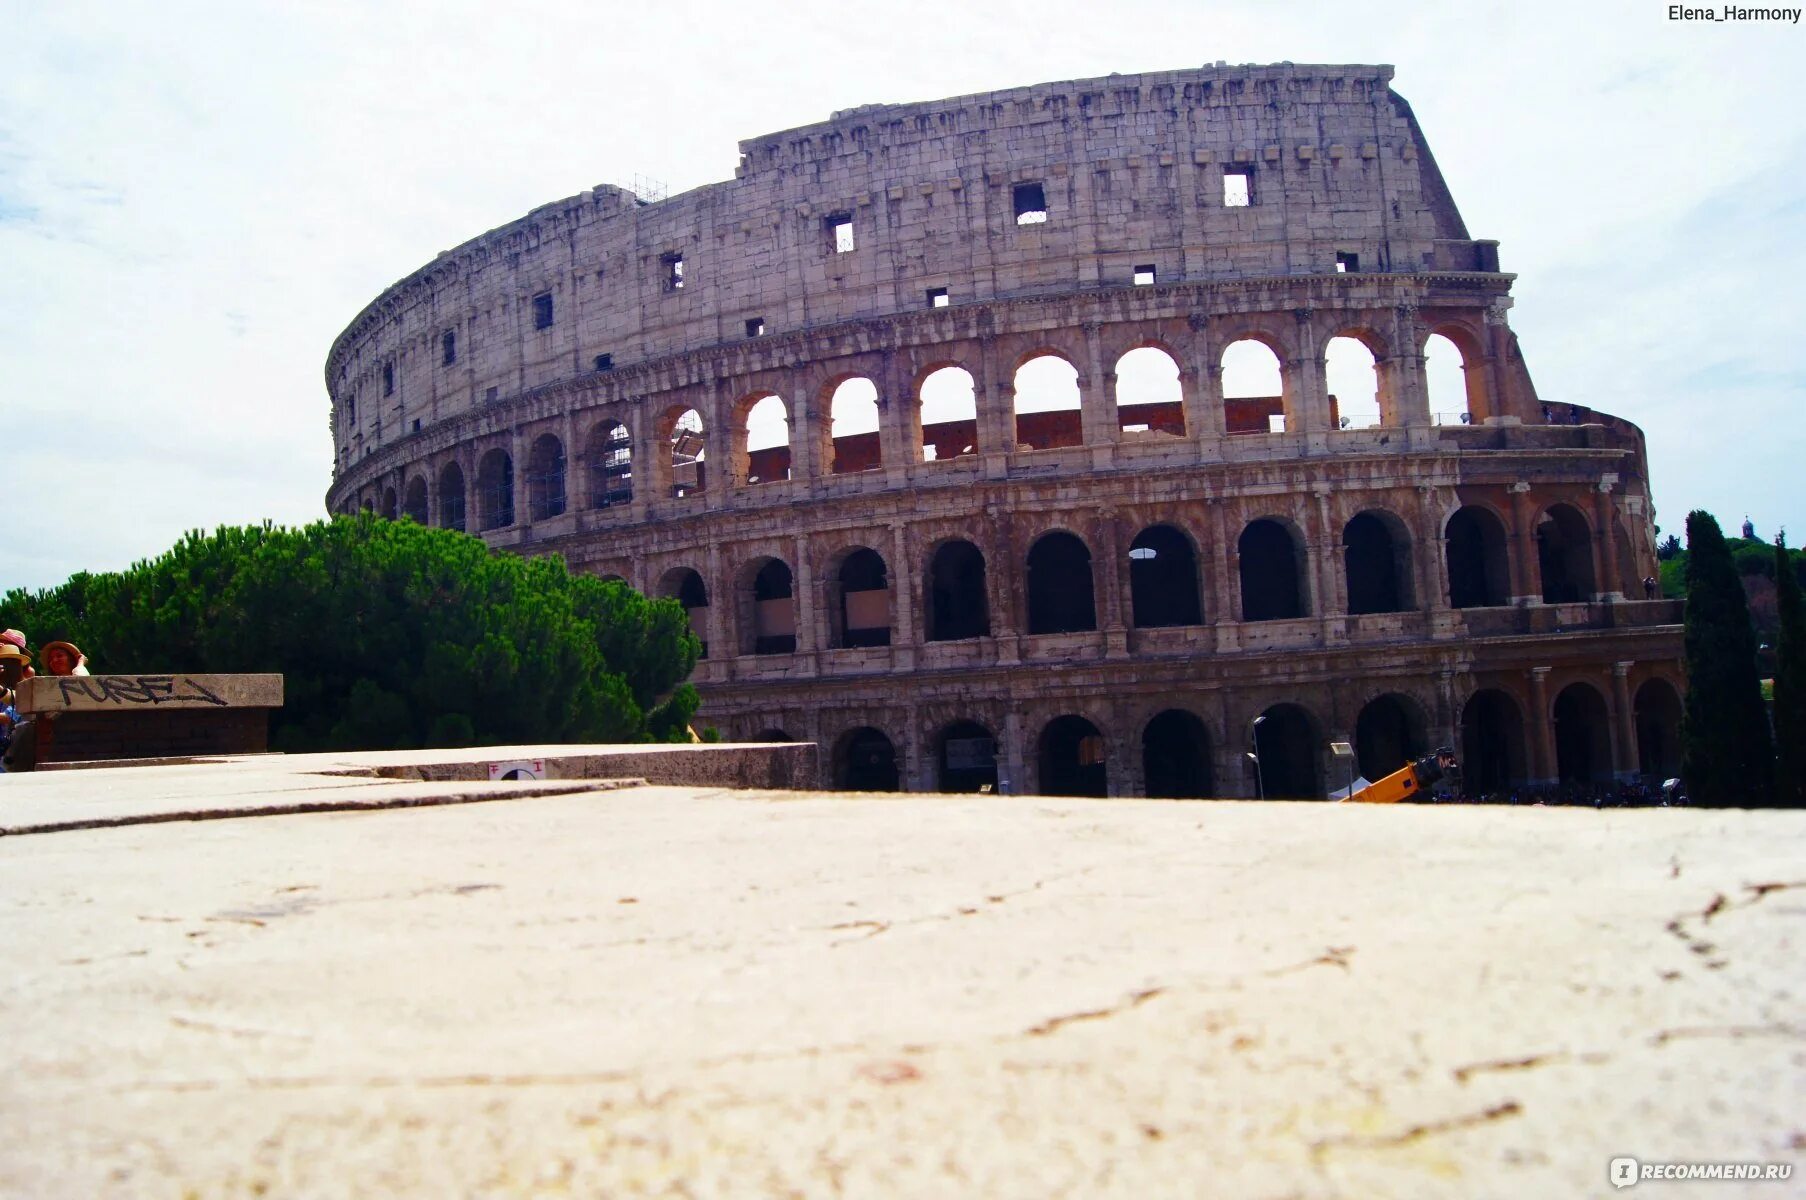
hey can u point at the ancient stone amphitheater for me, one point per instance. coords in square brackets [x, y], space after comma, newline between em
[997, 441]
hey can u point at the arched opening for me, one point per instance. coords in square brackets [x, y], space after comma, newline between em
[1492, 743]
[686, 587]
[1254, 394]
[1175, 757]
[1479, 574]
[1071, 759]
[1658, 719]
[862, 617]
[1564, 552]
[1376, 554]
[1583, 738]
[451, 497]
[1272, 572]
[1059, 585]
[1453, 380]
[1353, 379]
[1047, 404]
[413, 505]
[957, 607]
[966, 758]
[609, 459]
[495, 490]
[773, 624]
[689, 453]
[1149, 398]
[767, 440]
[1389, 732]
[949, 413]
[773, 735]
[390, 508]
[1287, 758]
[853, 427]
[545, 478]
[1163, 579]
[865, 761]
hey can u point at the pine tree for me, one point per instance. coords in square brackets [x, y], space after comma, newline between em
[1790, 685]
[1727, 755]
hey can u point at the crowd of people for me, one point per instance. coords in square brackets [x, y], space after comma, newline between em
[18, 736]
[1640, 793]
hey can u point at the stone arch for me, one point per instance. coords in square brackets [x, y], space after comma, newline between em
[1376, 561]
[859, 609]
[413, 504]
[686, 456]
[608, 463]
[1256, 384]
[1069, 758]
[1273, 571]
[451, 497]
[1493, 751]
[1390, 731]
[965, 757]
[545, 478]
[1288, 753]
[768, 612]
[495, 490]
[1564, 555]
[772, 734]
[853, 425]
[685, 585]
[864, 759]
[1583, 735]
[1163, 579]
[1048, 403]
[1149, 395]
[1479, 564]
[1455, 374]
[762, 437]
[1657, 710]
[956, 605]
[390, 507]
[1175, 756]
[1058, 583]
[1359, 397]
[947, 412]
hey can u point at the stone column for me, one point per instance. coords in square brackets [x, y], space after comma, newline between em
[1331, 598]
[1097, 393]
[893, 420]
[1432, 557]
[1003, 593]
[1410, 392]
[1624, 724]
[725, 470]
[517, 454]
[573, 464]
[1309, 399]
[809, 614]
[995, 399]
[1448, 732]
[1542, 729]
[1109, 571]
[808, 435]
[1524, 566]
[643, 461]
[722, 637]
[1013, 774]
[905, 595]
[1202, 384]
[1501, 400]
[1609, 587]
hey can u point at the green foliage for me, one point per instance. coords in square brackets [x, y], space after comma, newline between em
[389, 635]
[1727, 758]
[1669, 547]
[1789, 686]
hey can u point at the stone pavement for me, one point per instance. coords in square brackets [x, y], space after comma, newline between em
[681, 991]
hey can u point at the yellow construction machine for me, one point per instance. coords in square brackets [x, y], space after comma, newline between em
[1411, 781]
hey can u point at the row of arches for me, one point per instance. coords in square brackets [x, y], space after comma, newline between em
[1060, 581]
[1284, 755]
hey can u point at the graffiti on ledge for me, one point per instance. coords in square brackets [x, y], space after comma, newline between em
[136, 689]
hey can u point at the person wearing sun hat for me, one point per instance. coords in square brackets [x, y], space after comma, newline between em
[63, 658]
[15, 663]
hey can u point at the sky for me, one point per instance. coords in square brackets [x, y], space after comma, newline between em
[196, 198]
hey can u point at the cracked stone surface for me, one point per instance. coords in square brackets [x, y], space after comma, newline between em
[688, 992]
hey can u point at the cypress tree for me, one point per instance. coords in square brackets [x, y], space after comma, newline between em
[1790, 685]
[1727, 756]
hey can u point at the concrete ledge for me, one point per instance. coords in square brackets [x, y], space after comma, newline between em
[121, 693]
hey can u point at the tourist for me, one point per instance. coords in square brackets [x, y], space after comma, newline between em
[63, 658]
[15, 664]
[1649, 587]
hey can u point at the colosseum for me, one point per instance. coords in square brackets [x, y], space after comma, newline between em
[991, 442]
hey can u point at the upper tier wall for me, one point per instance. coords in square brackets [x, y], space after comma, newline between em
[1133, 173]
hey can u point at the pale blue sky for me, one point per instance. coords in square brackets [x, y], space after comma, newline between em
[196, 198]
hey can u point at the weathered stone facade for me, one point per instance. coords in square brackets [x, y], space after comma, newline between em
[579, 382]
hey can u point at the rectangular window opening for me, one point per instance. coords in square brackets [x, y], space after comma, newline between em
[674, 272]
[388, 379]
[755, 327]
[938, 298]
[1030, 203]
[605, 362]
[840, 232]
[1144, 275]
[489, 396]
[1347, 263]
[448, 348]
[1238, 187]
[542, 311]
